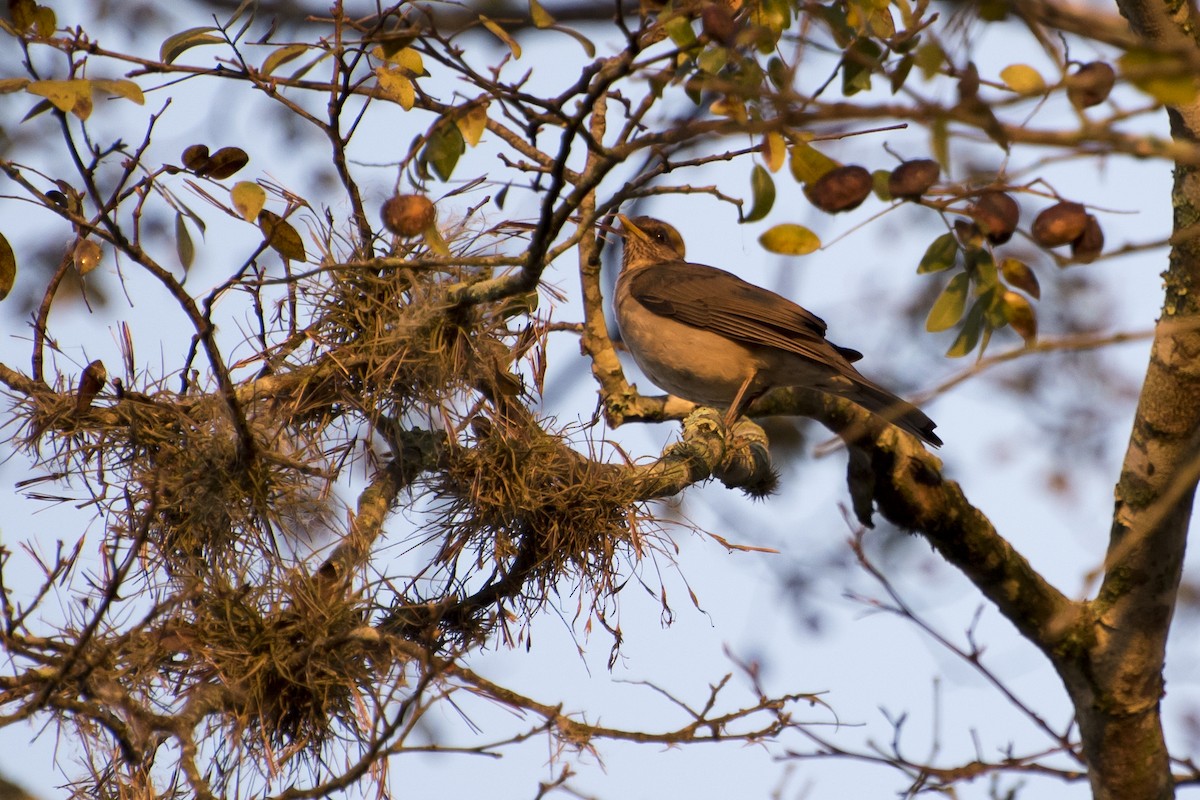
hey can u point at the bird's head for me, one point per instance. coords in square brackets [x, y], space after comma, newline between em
[650, 241]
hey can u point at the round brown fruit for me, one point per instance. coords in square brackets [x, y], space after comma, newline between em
[840, 189]
[912, 179]
[1061, 223]
[1090, 84]
[1090, 243]
[717, 21]
[408, 214]
[997, 215]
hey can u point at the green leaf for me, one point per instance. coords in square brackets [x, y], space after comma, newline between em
[1163, 76]
[763, 189]
[185, 40]
[713, 60]
[248, 198]
[473, 123]
[442, 151]
[968, 337]
[1023, 79]
[858, 63]
[948, 308]
[540, 16]
[281, 236]
[940, 255]
[982, 267]
[8, 267]
[184, 247]
[679, 28]
[790, 240]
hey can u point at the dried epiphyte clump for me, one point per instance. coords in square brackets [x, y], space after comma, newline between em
[524, 501]
[288, 665]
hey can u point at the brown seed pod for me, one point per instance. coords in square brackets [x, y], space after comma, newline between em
[1061, 223]
[997, 214]
[840, 189]
[1090, 84]
[913, 178]
[718, 23]
[408, 214]
[1090, 243]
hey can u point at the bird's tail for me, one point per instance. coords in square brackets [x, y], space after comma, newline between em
[899, 412]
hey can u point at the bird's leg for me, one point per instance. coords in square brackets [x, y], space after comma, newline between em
[740, 400]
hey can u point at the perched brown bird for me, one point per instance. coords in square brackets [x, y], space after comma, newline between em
[90, 383]
[708, 336]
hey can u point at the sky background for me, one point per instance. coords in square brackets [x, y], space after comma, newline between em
[803, 613]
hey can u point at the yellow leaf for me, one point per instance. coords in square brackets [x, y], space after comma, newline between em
[502, 35]
[281, 56]
[174, 45]
[73, 95]
[9, 85]
[121, 88]
[540, 16]
[248, 198]
[1023, 79]
[808, 164]
[1165, 77]
[790, 240]
[397, 87]
[774, 150]
[473, 123]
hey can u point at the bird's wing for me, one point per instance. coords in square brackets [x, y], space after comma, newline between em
[719, 301]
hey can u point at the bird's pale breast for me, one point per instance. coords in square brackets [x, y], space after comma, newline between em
[666, 351]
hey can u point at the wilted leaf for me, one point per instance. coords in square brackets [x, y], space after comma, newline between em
[225, 162]
[281, 56]
[763, 190]
[541, 18]
[184, 40]
[397, 87]
[1018, 274]
[808, 164]
[473, 123]
[968, 337]
[948, 308]
[790, 240]
[281, 236]
[443, 150]
[248, 198]
[183, 243]
[22, 13]
[940, 254]
[901, 72]
[8, 267]
[86, 255]
[1023, 79]
[502, 35]
[1020, 315]
[10, 85]
[121, 88]
[195, 157]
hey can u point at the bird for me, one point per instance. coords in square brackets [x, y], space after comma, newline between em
[706, 335]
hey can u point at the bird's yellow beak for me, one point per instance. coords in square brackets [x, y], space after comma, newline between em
[628, 227]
